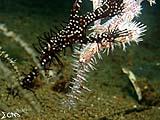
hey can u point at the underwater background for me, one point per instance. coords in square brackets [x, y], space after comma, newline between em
[112, 96]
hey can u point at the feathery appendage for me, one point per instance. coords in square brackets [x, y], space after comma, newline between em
[118, 31]
[77, 83]
[85, 59]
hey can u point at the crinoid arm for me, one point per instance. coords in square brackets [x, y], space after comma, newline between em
[28, 82]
